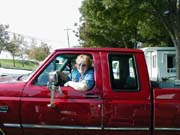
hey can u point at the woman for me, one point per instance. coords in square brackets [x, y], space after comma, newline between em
[82, 76]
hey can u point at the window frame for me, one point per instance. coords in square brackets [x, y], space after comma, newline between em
[173, 61]
[52, 61]
[110, 60]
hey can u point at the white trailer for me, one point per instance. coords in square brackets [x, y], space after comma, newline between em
[161, 62]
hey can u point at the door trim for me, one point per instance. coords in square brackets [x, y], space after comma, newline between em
[78, 127]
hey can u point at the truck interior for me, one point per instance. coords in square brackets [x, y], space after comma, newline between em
[62, 63]
[122, 72]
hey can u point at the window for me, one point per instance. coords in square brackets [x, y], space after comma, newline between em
[154, 60]
[63, 63]
[171, 64]
[122, 72]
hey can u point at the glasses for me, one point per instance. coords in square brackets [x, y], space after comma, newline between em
[82, 65]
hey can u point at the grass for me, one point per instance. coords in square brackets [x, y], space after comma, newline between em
[27, 65]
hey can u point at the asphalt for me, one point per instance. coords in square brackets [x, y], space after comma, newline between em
[4, 71]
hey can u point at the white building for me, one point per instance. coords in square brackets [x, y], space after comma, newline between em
[7, 55]
[161, 62]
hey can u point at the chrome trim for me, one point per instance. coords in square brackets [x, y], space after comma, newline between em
[1, 131]
[12, 125]
[60, 127]
[77, 127]
[102, 115]
[80, 127]
[167, 129]
[4, 109]
[127, 128]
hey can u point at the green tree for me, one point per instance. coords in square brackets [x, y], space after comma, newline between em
[111, 23]
[167, 12]
[38, 52]
[23, 50]
[123, 23]
[14, 46]
[4, 36]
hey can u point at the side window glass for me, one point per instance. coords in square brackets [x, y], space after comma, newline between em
[60, 63]
[123, 72]
[66, 65]
[44, 76]
[115, 69]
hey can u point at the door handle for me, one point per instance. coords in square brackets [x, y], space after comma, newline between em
[92, 95]
[4, 109]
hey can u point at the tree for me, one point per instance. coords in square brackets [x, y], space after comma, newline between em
[125, 22]
[14, 46]
[168, 14]
[38, 53]
[23, 50]
[43, 51]
[111, 23]
[4, 36]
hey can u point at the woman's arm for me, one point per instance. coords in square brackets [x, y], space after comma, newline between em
[81, 86]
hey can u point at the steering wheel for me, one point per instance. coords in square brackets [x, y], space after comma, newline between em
[61, 80]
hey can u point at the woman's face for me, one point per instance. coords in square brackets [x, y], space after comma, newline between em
[82, 66]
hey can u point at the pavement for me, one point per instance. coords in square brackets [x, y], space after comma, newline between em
[4, 71]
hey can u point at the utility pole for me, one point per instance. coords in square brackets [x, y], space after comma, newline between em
[67, 29]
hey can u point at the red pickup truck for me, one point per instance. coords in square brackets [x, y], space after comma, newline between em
[122, 101]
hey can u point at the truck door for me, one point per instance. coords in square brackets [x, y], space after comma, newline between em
[74, 112]
[10, 109]
[127, 105]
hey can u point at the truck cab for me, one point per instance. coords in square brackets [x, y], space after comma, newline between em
[120, 102]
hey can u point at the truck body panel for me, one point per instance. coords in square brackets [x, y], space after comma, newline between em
[10, 93]
[166, 111]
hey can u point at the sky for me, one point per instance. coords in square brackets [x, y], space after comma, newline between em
[45, 20]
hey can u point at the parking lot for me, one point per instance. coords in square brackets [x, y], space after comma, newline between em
[12, 72]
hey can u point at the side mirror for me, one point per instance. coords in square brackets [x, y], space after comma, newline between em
[53, 77]
[53, 87]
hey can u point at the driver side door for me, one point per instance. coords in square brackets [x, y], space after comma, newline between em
[75, 112]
